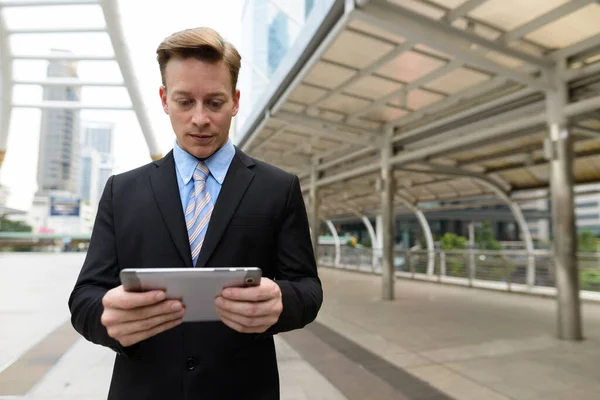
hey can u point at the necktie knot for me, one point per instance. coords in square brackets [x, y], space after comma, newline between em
[201, 172]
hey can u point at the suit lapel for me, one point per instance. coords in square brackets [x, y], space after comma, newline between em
[163, 183]
[234, 186]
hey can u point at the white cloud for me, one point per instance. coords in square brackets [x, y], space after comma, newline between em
[145, 25]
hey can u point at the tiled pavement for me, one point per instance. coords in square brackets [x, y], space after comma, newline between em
[432, 342]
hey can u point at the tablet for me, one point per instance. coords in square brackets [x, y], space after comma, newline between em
[195, 287]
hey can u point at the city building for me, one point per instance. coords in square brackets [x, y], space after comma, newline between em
[58, 160]
[270, 28]
[97, 159]
[57, 207]
[61, 213]
[587, 208]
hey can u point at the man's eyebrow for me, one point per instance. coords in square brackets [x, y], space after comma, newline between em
[211, 94]
[184, 92]
[216, 94]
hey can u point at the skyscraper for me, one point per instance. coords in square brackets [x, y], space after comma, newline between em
[96, 159]
[270, 29]
[278, 40]
[58, 162]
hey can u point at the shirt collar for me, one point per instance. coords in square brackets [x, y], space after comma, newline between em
[217, 164]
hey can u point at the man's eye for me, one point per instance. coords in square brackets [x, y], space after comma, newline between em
[184, 103]
[216, 104]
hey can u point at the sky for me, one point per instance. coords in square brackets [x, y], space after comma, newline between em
[145, 24]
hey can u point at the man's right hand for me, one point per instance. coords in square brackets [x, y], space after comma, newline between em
[131, 317]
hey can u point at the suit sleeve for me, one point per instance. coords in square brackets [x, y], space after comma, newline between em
[296, 273]
[99, 274]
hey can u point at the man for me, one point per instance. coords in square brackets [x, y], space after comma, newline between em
[205, 204]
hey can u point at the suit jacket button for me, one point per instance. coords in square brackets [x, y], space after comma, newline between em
[191, 364]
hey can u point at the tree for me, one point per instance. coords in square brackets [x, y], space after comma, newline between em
[456, 263]
[6, 225]
[484, 237]
[451, 241]
[586, 242]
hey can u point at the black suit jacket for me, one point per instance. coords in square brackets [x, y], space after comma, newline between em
[259, 220]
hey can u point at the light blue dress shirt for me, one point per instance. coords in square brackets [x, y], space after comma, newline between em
[217, 164]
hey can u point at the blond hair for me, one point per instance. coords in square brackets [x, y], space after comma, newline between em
[202, 43]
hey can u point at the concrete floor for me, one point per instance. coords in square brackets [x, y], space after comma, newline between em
[466, 343]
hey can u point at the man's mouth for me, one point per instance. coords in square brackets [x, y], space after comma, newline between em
[201, 136]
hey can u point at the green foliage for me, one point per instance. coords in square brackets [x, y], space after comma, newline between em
[451, 241]
[590, 280]
[7, 225]
[457, 267]
[587, 242]
[484, 237]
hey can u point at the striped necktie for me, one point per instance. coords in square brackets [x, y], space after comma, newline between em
[198, 211]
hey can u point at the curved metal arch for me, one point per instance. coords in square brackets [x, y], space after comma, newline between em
[370, 230]
[426, 232]
[115, 32]
[7, 87]
[336, 241]
[503, 194]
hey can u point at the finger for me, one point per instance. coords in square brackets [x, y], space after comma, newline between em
[265, 291]
[139, 336]
[114, 316]
[119, 298]
[249, 324]
[240, 328]
[128, 328]
[246, 308]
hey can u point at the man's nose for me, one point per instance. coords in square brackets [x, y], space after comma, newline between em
[200, 116]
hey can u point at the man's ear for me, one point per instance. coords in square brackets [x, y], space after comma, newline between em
[162, 91]
[236, 103]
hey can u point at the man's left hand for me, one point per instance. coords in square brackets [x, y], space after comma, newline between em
[250, 309]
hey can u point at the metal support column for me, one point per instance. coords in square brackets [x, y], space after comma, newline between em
[564, 240]
[471, 266]
[387, 211]
[379, 236]
[314, 208]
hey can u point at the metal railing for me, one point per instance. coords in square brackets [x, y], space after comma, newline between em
[500, 270]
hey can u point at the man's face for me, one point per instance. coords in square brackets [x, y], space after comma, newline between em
[200, 102]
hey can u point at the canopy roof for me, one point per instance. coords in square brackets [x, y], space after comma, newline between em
[460, 85]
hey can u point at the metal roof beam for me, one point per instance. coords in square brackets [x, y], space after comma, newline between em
[490, 134]
[112, 18]
[589, 132]
[462, 10]
[62, 57]
[545, 19]
[273, 135]
[26, 31]
[68, 105]
[65, 82]
[45, 3]
[361, 74]
[451, 66]
[421, 29]
[464, 45]
[418, 133]
[576, 48]
[323, 125]
[486, 87]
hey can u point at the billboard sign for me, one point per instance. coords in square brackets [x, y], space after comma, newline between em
[60, 206]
